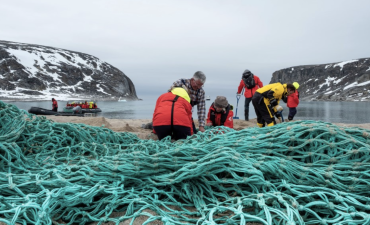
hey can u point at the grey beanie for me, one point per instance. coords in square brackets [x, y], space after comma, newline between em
[247, 71]
[221, 102]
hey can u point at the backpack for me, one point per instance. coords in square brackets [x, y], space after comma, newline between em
[248, 79]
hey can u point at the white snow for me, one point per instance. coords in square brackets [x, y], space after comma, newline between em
[338, 80]
[327, 66]
[344, 63]
[327, 81]
[26, 59]
[355, 84]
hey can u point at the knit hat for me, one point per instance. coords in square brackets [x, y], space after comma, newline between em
[181, 92]
[296, 85]
[221, 102]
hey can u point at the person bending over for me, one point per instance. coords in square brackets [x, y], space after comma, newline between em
[197, 96]
[220, 113]
[172, 115]
[266, 99]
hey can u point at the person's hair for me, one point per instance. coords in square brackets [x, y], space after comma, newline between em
[290, 86]
[199, 75]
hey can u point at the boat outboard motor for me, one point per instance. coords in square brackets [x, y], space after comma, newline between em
[77, 110]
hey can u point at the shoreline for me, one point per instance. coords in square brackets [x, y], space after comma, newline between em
[135, 125]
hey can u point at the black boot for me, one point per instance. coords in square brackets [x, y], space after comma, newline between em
[246, 115]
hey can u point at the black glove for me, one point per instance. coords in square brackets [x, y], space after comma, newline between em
[285, 98]
[273, 102]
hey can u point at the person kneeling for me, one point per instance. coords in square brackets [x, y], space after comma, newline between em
[220, 113]
[172, 115]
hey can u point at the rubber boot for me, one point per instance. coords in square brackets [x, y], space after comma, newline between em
[270, 124]
[260, 124]
[246, 115]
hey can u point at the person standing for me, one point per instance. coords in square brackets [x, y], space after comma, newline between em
[267, 98]
[251, 83]
[197, 96]
[293, 101]
[54, 105]
[172, 115]
[220, 113]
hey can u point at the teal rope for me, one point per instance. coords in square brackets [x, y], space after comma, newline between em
[304, 172]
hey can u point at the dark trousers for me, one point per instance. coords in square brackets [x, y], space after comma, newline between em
[292, 112]
[179, 132]
[261, 109]
[55, 109]
[194, 128]
[246, 108]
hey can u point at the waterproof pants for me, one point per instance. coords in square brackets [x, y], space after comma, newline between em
[262, 111]
[179, 132]
[246, 108]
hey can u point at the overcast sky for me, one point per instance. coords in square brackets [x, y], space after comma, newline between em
[155, 42]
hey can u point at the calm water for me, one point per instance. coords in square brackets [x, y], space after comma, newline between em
[344, 112]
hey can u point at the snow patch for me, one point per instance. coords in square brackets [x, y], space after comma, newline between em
[327, 81]
[344, 63]
[355, 84]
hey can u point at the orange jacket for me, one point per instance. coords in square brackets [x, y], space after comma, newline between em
[248, 93]
[229, 118]
[181, 114]
[293, 100]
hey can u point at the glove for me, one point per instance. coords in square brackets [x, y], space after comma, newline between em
[285, 99]
[279, 108]
[273, 102]
[238, 95]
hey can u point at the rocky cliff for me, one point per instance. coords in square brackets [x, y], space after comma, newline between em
[341, 81]
[38, 72]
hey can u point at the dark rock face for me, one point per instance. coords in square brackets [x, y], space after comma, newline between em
[35, 71]
[343, 81]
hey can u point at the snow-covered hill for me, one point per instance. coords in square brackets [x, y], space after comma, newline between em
[38, 72]
[341, 81]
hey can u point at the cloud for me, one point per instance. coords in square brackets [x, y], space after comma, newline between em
[157, 42]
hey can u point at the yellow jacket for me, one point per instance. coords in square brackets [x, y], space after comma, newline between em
[272, 91]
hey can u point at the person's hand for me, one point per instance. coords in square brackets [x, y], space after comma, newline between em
[209, 124]
[201, 129]
[273, 102]
[238, 94]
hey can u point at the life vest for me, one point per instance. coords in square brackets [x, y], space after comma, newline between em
[224, 115]
[168, 111]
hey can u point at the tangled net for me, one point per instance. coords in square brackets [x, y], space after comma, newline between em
[293, 173]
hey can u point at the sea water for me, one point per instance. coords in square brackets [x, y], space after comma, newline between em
[335, 112]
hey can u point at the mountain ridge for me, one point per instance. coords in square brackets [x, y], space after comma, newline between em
[37, 72]
[339, 81]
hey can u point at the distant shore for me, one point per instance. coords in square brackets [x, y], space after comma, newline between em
[66, 100]
[135, 125]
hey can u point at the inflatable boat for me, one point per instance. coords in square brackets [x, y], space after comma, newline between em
[86, 107]
[69, 109]
[41, 111]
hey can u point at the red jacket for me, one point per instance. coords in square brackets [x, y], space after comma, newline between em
[55, 104]
[229, 118]
[181, 115]
[293, 100]
[248, 93]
